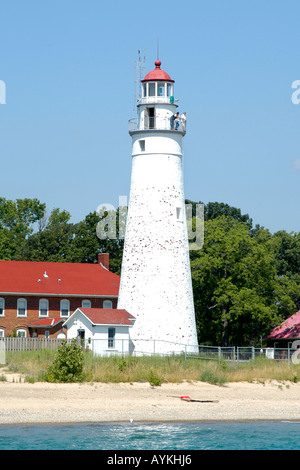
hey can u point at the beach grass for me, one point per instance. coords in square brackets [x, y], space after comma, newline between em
[156, 369]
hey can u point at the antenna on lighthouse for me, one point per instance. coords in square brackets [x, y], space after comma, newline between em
[139, 75]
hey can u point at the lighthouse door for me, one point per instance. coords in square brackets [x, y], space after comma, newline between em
[151, 116]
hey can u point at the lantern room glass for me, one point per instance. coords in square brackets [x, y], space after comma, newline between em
[151, 89]
[157, 90]
[161, 89]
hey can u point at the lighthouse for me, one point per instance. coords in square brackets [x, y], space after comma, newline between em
[155, 285]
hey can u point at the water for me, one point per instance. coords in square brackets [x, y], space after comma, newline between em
[258, 435]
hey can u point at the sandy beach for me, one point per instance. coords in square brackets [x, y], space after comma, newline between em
[97, 402]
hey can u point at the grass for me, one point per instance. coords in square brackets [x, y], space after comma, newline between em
[155, 369]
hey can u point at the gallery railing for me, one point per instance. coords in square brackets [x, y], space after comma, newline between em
[156, 123]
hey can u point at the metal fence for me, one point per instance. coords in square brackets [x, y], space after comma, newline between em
[141, 347]
[242, 353]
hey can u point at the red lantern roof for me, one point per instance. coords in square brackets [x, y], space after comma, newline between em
[157, 74]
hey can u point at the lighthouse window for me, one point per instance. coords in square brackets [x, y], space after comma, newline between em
[169, 89]
[160, 89]
[142, 145]
[151, 89]
[178, 213]
[144, 90]
[151, 117]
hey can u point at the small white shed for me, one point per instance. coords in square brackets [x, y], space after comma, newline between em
[105, 331]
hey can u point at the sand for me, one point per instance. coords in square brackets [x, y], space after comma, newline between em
[23, 403]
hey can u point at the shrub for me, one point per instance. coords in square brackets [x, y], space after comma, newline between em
[68, 364]
[154, 379]
[213, 377]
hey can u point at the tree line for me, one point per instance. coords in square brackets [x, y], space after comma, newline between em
[246, 280]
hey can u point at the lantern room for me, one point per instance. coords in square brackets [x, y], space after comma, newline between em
[157, 86]
[156, 107]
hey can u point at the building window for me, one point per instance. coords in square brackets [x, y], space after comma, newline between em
[2, 307]
[47, 334]
[21, 333]
[1, 333]
[44, 307]
[86, 304]
[107, 304]
[111, 337]
[64, 308]
[21, 307]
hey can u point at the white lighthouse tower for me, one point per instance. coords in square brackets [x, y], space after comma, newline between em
[156, 285]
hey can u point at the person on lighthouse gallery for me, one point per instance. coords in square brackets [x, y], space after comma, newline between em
[172, 121]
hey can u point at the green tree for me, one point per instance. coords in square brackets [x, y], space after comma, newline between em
[288, 260]
[17, 221]
[59, 240]
[54, 242]
[212, 210]
[238, 294]
[87, 243]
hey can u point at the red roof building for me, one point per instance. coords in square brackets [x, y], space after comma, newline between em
[37, 297]
[286, 332]
[105, 331]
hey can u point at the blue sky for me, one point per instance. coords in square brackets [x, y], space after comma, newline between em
[69, 71]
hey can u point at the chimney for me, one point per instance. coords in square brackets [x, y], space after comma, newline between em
[103, 258]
